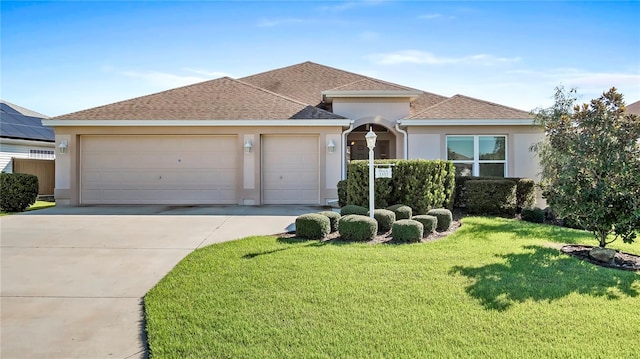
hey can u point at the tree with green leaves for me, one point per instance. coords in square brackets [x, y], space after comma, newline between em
[590, 161]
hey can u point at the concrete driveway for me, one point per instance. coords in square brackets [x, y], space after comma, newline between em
[72, 279]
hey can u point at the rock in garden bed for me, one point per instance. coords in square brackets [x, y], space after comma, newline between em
[621, 260]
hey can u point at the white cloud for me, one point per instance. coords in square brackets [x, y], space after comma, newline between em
[435, 16]
[427, 58]
[348, 5]
[210, 74]
[278, 22]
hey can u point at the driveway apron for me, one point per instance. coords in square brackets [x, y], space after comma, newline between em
[73, 278]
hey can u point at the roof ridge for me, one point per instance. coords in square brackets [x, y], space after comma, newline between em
[443, 102]
[270, 92]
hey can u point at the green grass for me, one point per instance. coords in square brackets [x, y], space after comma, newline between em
[34, 207]
[495, 288]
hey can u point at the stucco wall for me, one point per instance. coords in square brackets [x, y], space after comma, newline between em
[355, 108]
[249, 178]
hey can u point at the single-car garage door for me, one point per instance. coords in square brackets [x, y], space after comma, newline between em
[158, 169]
[290, 170]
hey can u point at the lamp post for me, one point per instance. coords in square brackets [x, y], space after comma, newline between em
[371, 143]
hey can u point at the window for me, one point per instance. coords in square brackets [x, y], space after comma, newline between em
[484, 156]
[42, 154]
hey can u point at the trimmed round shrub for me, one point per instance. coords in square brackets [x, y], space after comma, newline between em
[428, 222]
[333, 219]
[407, 230]
[444, 217]
[402, 211]
[353, 209]
[312, 226]
[18, 191]
[355, 227]
[533, 215]
[385, 219]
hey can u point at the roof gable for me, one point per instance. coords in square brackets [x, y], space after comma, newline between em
[463, 107]
[220, 99]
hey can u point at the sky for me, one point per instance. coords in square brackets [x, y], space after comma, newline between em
[64, 56]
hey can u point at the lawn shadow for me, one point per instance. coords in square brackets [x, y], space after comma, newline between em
[543, 274]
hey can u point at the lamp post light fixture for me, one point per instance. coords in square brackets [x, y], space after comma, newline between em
[371, 143]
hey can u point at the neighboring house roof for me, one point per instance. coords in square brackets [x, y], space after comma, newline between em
[463, 107]
[220, 99]
[20, 123]
[634, 108]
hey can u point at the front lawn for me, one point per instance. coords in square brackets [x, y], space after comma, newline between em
[496, 288]
[33, 207]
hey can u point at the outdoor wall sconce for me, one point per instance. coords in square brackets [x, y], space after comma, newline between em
[62, 147]
[331, 146]
[248, 146]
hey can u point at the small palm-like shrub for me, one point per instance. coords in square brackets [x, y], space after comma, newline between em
[428, 222]
[353, 209]
[355, 227]
[312, 226]
[333, 219]
[385, 219]
[534, 215]
[444, 217]
[407, 230]
[402, 211]
[18, 191]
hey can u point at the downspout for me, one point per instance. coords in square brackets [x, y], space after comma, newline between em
[344, 150]
[406, 141]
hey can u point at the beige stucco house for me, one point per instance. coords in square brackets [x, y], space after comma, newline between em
[279, 137]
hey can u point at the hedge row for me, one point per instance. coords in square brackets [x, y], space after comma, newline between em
[525, 196]
[424, 184]
[491, 197]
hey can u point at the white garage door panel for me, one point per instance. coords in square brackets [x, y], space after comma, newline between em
[290, 170]
[159, 169]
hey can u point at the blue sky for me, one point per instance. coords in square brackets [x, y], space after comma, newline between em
[60, 57]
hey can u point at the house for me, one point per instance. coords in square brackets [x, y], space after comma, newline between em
[26, 146]
[283, 136]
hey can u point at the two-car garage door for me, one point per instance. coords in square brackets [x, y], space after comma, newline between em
[194, 169]
[159, 169]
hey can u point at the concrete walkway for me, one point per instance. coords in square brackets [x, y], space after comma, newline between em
[72, 279]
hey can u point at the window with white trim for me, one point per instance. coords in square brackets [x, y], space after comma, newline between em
[476, 155]
[42, 154]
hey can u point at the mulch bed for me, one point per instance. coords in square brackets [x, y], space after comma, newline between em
[622, 260]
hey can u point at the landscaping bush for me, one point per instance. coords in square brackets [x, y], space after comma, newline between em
[333, 219]
[402, 211]
[17, 191]
[353, 209]
[357, 228]
[525, 190]
[444, 217]
[534, 215]
[312, 226]
[424, 184]
[342, 193]
[491, 197]
[407, 230]
[428, 222]
[385, 219]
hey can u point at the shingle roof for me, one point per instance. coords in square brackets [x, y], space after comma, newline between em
[634, 108]
[220, 99]
[463, 107]
[21, 123]
[368, 84]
